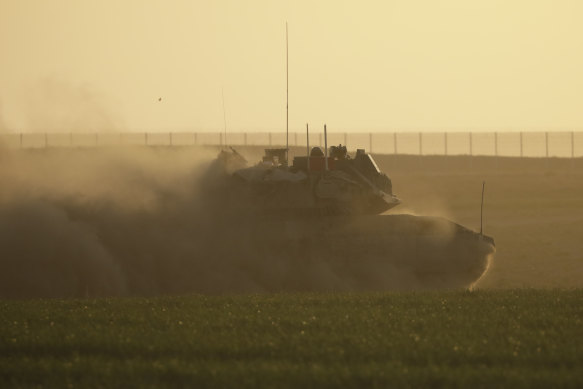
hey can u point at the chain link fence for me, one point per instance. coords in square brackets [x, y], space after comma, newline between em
[511, 144]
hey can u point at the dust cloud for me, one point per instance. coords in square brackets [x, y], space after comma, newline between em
[140, 221]
[56, 105]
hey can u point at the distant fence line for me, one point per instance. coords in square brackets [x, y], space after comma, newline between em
[514, 144]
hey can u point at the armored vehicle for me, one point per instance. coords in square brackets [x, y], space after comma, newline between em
[323, 213]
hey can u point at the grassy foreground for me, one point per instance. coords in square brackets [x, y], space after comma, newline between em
[516, 338]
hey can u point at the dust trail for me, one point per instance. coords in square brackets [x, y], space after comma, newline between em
[54, 104]
[133, 221]
[488, 264]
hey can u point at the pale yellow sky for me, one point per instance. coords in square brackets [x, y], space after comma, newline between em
[356, 65]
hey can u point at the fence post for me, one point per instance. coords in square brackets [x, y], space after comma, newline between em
[395, 142]
[547, 149]
[471, 150]
[445, 143]
[496, 149]
[420, 148]
[572, 150]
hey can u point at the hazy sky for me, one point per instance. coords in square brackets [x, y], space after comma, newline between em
[357, 65]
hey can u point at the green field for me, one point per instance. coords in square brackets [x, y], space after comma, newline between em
[486, 338]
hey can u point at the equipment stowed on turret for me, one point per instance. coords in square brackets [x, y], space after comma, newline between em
[318, 183]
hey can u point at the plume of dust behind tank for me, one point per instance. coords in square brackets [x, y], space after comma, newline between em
[132, 221]
[65, 215]
[56, 105]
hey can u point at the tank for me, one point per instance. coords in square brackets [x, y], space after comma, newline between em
[327, 213]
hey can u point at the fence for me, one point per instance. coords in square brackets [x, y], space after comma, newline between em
[515, 144]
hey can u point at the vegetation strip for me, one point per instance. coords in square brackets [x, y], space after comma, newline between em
[514, 338]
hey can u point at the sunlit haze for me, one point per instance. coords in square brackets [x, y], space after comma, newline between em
[79, 65]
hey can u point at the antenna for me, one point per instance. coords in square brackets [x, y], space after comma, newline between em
[308, 145]
[224, 115]
[286, 99]
[482, 208]
[325, 148]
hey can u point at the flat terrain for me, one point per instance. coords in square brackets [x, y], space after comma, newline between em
[533, 209]
[513, 338]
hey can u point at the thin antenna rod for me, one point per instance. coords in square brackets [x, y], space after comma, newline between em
[308, 145]
[286, 99]
[482, 208]
[325, 148]
[224, 115]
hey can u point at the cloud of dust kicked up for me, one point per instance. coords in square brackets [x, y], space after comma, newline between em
[130, 221]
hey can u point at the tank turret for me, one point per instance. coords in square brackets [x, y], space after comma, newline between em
[343, 185]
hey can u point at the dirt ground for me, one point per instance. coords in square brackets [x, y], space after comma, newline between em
[533, 209]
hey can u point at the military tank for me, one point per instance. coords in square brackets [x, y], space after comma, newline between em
[327, 210]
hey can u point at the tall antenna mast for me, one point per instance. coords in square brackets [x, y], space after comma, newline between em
[224, 115]
[308, 145]
[482, 209]
[325, 148]
[286, 100]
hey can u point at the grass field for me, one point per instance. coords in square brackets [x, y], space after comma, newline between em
[516, 338]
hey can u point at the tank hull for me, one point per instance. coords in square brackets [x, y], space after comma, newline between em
[377, 253]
